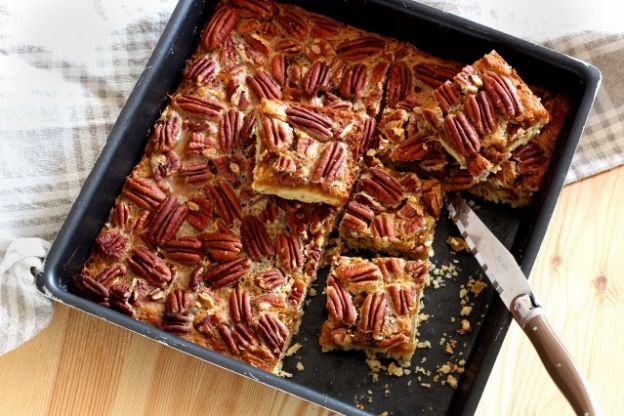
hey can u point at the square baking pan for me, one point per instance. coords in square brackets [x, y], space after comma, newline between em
[340, 381]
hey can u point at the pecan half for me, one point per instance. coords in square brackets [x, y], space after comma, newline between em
[329, 163]
[339, 303]
[226, 274]
[359, 272]
[219, 28]
[417, 269]
[530, 157]
[120, 298]
[447, 95]
[278, 68]
[383, 227]
[269, 300]
[121, 214]
[255, 238]
[166, 221]
[109, 274]
[373, 314]
[399, 83]
[414, 148]
[144, 263]
[288, 46]
[503, 94]
[197, 105]
[432, 74]
[318, 125]
[113, 243]
[91, 289]
[285, 164]
[263, 85]
[240, 306]
[196, 278]
[360, 48]
[316, 79]
[165, 165]
[459, 179]
[323, 28]
[468, 80]
[143, 192]
[353, 81]
[246, 130]
[274, 133]
[199, 213]
[177, 318]
[165, 134]
[256, 44]
[198, 142]
[481, 112]
[391, 267]
[393, 341]
[184, 250]
[229, 130]
[292, 24]
[225, 201]
[462, 134]
[290, 252]
[357, 216]
[432, 197]
[365, 141]
[297, 292]
[403, 299]
[201, 70]
[272, 332]
[260, 8]
[195, 171]
[381, 186]
[221, 246]
[270, 279]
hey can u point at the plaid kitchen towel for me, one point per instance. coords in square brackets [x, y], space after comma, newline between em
[68, 68]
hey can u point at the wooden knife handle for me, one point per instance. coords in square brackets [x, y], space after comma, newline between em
[557, 361]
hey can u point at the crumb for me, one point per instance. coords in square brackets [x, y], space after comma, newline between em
[477, 286]
[384, 413]
[466, 311]
[359, 406]
[453, 319]
[284, 374]
[465, 327]
[462, 362]
[300, 366]
[373, 363]
[456, 243]
[335, 248]
[426, 385]
[450, 346]
[312, 291]
[375, 377]
[395, 370]
[423, 344]
[452, 381]
[422, 317]
[293, 349]
[409, 383]
[445, 369]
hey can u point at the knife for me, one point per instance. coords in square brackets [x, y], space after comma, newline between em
[511, 284]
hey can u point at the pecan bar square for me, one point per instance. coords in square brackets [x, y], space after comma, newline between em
[373, 305]
[308, 154]
[484, 113]
[392, 212]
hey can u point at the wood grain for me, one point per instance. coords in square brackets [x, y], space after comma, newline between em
[80, 365]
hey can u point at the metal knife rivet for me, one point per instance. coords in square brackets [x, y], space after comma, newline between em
[535, 329]
[558, 365]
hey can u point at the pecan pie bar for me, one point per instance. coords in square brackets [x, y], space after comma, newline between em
[373, 305]
[392, 212]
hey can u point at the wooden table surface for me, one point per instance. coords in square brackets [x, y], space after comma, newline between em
[80, 365]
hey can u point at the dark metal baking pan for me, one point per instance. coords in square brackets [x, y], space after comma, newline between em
[339, 380]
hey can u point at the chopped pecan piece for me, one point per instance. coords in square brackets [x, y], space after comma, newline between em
[383, 227]
[273, 333]
[274, 133]
[143, 192]
[177, 319]
[166, 221]
[197, 105]
[357, 216]
[373, 314]
[255, 238]
[403, 299]
[339, 303]
[503, 94]
[481, 112]
[353, 81]
[144, 263]
[432, 74]
[290, 252]
[399, 83]
[382, 187]
[260, 8]
[91, 289]
[199, 212]
[184, 249]
[120, 298]
[468, 80]
[447, 95]
[196, 278]
[221, 246]
[432, 197]
[240, 306]
[329, 163]
[225, 201]
[165, 134]
[226, 274]
[292, 24]
[462, 134]
[229, 130]
[318, 125]
[113, 243]
[278, 68]
[195, 171]
[165, 165]
[263, 85]
[360, 48]
[269, 300]
[219, 28]
[529, 156]
[270, 279]
[359, 272]
[297, 292]
[316, 79]
[201, 70]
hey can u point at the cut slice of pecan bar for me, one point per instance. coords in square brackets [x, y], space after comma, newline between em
[373, 305]
[392, 212]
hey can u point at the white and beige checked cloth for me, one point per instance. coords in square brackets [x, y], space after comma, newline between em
[66, 69]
